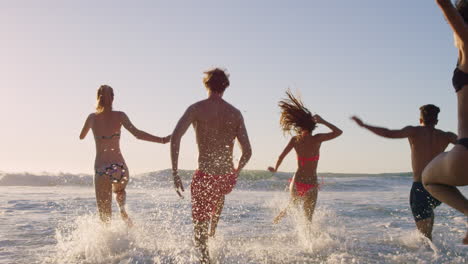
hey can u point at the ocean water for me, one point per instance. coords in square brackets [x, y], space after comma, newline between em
[359, 219]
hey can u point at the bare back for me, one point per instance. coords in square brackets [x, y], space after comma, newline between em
[217, 124]
[306, 147]
[426, 143]
[106, 129]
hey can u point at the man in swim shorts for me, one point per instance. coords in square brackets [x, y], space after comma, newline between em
[426, 143]
[217, 124]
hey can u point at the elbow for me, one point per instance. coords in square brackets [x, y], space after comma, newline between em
[248, 154]
[138, 134]
[339, 132]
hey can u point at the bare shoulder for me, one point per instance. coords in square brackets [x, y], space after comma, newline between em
[235, 113]
[446, 133]
[413, 129]
[120, 114]
[91, 118]
[193, 108]
[232, 109]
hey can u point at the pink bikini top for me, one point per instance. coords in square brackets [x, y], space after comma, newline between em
[303, 160]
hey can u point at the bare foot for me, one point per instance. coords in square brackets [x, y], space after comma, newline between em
[212, 233]
[279, 217]
[126, 219]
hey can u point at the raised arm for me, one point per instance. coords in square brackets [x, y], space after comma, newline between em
[385, 132]
[142, 135]
[244, 142]
[283, 154]
[87, 126]
[184, 122]
[327, 136]
[454, 19]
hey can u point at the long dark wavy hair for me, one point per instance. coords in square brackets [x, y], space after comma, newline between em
[462, 7]
[294, 115]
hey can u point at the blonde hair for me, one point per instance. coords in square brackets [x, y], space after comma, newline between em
[103, 102]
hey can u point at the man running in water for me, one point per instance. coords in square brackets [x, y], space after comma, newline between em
[426, 143]
[217, 124]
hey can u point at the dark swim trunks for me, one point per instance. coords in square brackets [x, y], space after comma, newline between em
[422, 202]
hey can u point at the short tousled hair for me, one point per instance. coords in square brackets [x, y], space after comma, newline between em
[429, 114]
[462, 7]
[216, 80]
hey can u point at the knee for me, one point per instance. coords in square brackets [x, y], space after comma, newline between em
[120, 192]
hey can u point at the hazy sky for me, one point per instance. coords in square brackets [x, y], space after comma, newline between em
[378, 59]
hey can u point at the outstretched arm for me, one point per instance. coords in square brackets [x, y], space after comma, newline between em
[87, 126]
[454, 18]
[184, 122]
[327, 136]
[285, 152]
[142, 135]
[385, 132]
[244, 142]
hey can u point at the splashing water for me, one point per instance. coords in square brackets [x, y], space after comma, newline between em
[372, 225]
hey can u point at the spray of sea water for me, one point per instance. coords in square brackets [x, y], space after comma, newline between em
[359, 219]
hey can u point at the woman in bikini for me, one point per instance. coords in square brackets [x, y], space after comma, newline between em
[450, 169]
[111, 173]
[304, 185]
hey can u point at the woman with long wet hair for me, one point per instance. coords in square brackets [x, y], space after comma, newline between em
[450, 169]
[111, 172]
[304, 185]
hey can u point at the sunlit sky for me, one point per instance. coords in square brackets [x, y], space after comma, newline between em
[380, 60]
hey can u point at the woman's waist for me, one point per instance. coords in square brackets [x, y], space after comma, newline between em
[108, 159]
[306, 178]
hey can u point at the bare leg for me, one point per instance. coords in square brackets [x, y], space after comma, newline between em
[121, 197]
[452, 197]
[309, 203]
[449, 195]
[216, 216]
[201, 239]
[293, 201]
[280, 216]
[103, 188]
[445, 172]
[425, 226]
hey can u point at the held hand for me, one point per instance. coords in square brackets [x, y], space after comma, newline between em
[167, 139]
[357, 120]
[178, 186]
[318, 119]
[271, 169]
[236, 172]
